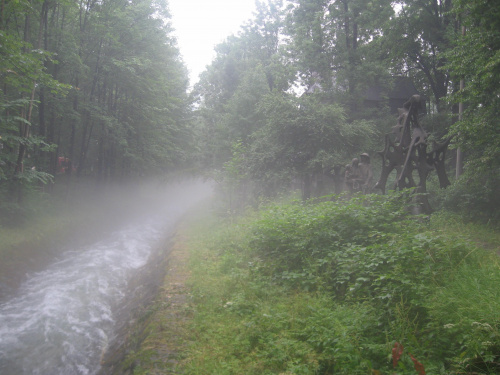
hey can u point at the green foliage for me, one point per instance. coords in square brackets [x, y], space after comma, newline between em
[127, 111]
[22, 69]
[328, 287]
[335, 44]
[293, 235]
[233, 186]
[367, 249]
[243, 323]
[301, 137]
[415, 39]
[474, 197]
[22, 65]
[475, 57]
[253, 93]
[472, 328]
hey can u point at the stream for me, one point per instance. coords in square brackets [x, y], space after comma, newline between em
[63, 319]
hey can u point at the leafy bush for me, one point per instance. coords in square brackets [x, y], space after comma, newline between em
[290, 237]
[368, 249]
[329, 287]
[474, 197]
[465, 316]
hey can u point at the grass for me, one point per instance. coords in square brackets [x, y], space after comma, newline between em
[250, 319]
[244, 323]
[157, 341]
[486, 236]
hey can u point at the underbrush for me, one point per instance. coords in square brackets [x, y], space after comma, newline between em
[341, 286]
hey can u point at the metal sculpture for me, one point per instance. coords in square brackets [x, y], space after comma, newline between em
[406, 151]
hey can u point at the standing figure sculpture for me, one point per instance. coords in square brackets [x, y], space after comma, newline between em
[365, 173]
[352, 176]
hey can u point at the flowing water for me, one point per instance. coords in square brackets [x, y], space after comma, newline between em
[61, 320]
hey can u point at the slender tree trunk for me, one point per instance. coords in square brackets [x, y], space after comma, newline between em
[71, 151]
[24, 127]
[42, 97]
[306, 186]
[346, 24]
[88, 122]
[2, 7]
[100, 160]
[460, 157]
[84, 144]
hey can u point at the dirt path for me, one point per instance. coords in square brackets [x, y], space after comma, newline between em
[157, 338]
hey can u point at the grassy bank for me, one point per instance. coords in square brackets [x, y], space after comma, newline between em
[345, 287]
[160, 339]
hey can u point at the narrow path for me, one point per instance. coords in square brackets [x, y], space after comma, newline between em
[157, 341]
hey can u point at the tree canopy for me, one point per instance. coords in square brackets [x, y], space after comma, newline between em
[299, 62]
[90, 89]
[98, 89]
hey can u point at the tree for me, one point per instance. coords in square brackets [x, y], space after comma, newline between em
[126, 111]
[303, 138]
[475, 57]
[417, 39]
[247, 98]
[332, 43]
[246, 68]
[22, 71]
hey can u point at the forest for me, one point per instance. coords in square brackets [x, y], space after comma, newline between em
[95, 94]
[97, 91]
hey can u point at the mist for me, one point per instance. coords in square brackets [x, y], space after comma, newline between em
[64, 317]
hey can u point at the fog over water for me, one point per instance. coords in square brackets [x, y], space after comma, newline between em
[62, 319]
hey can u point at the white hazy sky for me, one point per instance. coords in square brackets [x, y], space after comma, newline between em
[202, 24]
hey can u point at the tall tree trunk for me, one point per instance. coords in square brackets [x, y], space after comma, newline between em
[2, 7]
[460, 157]
[100, 159]
[71, 151]
[25, 123]
[346, 23]
[87, 121]
[42, 97]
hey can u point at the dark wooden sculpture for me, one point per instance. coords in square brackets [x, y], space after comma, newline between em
[406, 152]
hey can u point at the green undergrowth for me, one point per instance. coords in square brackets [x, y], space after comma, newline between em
[336, 286]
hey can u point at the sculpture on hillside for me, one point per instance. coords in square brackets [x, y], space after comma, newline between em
[351, 176]
[406, 151]
[358, 175]
[365, 173]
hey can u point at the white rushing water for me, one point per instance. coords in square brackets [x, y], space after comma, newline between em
[61, 320]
